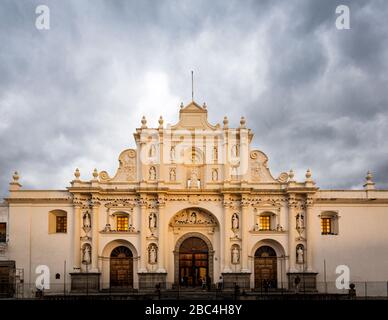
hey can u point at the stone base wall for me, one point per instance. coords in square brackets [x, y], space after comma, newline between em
[233, 278]
[302, 281]
[149, 280]
[85, 282]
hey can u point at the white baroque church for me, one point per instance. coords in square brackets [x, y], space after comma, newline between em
[194, 202]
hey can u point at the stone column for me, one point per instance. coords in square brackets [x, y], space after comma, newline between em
[244, 234]
[143, 236]
[77, 237]
[310, 234]
[244, 153]
[291, 233]
[226, 152]
[142, 163]
[107, 227]
[162, 234]
[226, 235]
[163, 172]
[95, 229]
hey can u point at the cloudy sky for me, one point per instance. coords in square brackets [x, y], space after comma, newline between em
[315, 96]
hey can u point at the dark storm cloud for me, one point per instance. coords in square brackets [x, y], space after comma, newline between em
[314, 96]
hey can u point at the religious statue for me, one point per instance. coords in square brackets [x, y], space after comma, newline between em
[279, 227]
[152, 221]
[152, 254]
[172, 174]
[152, 151]
[299, 254]
[215, 153]
[235, 221]
[299, 222]
[86, 220]
[152, 173]
[215, 175]
[193, 217]
[172, 153]
[235, 152]
[235, 255]
[194, 179]
[86, 258]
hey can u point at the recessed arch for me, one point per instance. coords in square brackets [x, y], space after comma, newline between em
[212, 220]
[118, 242]
[205, 242]
[125, 258]
[268, 264]
[121, 267]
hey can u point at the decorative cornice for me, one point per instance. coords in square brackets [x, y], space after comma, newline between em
[39, 200]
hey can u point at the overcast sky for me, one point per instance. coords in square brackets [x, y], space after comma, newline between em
[315, 96]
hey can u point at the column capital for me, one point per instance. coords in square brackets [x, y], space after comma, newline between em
[77, 205]
[227, 204]
[292, 201]
[245, 204]
[161, 201]
[95, 204]
[142, 202]
[309, 202]
[78, 201]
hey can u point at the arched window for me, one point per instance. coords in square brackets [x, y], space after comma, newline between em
[57, 221]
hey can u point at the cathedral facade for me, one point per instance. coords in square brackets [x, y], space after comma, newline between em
[195, 203]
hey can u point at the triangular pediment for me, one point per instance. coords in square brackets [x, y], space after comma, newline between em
[192, 117]
[193, 107]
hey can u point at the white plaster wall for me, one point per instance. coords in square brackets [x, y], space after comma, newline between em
[30, 244]
[362, 245]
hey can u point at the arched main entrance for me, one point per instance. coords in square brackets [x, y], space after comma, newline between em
[121, 267]
[265, 268]
[193, 262]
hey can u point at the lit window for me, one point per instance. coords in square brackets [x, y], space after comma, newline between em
[61, 224]
[326, 226]
[329, 223]
[122, 223]
[265, 223]
[3, 232]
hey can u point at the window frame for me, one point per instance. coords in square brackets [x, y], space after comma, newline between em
[273, 220]
[52, 221]
[333, 223]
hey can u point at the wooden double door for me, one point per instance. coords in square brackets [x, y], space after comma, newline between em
[265, 268]
[193, 262]
[121, 268]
